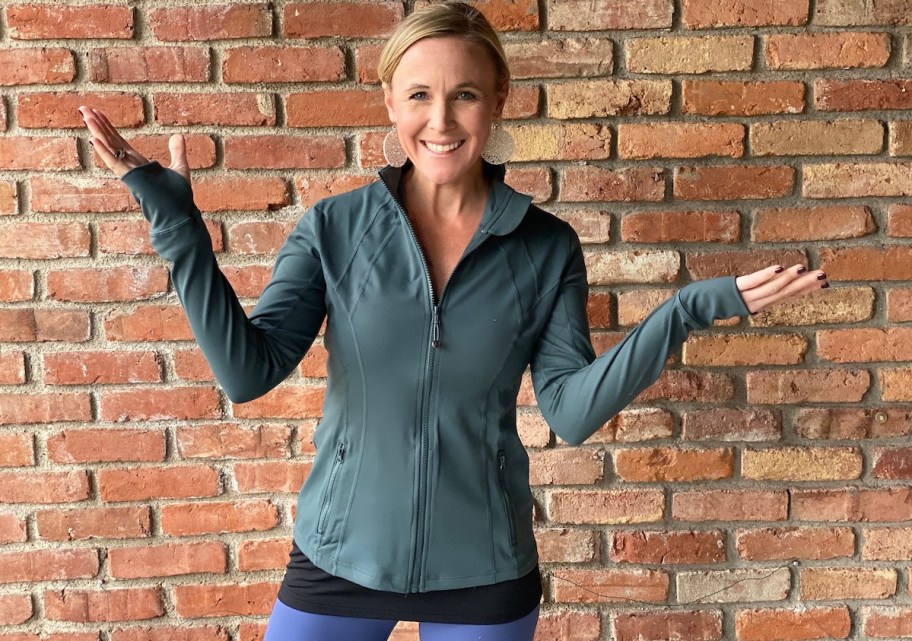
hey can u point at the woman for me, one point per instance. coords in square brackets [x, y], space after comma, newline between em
[440, 285]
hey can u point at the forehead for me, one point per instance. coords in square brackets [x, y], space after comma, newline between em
[448, 59]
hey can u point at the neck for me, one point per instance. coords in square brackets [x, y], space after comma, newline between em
[447, 201]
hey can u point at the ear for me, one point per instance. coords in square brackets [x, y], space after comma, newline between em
[501, 101]
[388, 101]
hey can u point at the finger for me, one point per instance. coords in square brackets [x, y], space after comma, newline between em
[780, 281]
[177, 146]
[109, 128]
[107, 157]
[807, 283]
[749, 281]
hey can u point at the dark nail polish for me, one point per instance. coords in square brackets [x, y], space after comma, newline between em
[825, 286]
[779, 270]
[801, 270]
[821, 277]
[91, 144]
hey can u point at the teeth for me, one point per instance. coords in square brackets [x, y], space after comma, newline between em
[439, 149]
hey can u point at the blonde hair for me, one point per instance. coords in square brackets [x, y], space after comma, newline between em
[456, 19]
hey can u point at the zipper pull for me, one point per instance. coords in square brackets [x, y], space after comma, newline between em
[501, 460]
[435, 328]
[340, 455]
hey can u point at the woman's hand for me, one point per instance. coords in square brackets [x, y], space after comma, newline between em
[119, 155]
[776, 284]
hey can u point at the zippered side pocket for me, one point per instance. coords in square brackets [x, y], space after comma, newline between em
[505, 493]
[327, 496]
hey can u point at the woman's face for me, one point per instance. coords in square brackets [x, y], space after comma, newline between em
[443, 98]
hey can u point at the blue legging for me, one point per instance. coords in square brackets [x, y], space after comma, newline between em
[288, 624]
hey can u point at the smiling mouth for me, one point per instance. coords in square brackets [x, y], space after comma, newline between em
[442, 149]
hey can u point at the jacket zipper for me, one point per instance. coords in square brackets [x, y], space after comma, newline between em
[327, 499]
[435, 344]
[507, 501]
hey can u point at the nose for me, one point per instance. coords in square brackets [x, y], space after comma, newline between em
[441, 115]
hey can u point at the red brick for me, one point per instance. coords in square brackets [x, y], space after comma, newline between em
[157, 404]
[743, 182]
[38, 153]
[283, 64]
[311, 189]
[240, 193]
[144, 483]
[336, 19]
[680, 140]
[818, 386]
[565, 141]
[273, 476]
[802, 464]
[633, 425]
[786, 543]
[107, 444]
[892, 463]
[58, 110]
[131, 237]
[43, 487]
[230, 440]
[852, 180]
[585, 15]
[605, 98]
[734, 263]
[887, 544]
[852, 423]
[792, 625]
[687, 55]
[44, 408]
[581, 184]
[731, 98]
[107, 285]
[9, 198]
[263, 554]
[44, 240]
[3, 119]
[566, 467]
[852, 504]
[48, 565]
[313, 365]
[148, 323]
[191, 365]
[62, 195]
[681, 226]
[887, 622]
[816, 137]
[19, 325]
[837, 13]
[673, 464]
[247, 281]
[94, 522]
[535, 182]
[731, 425]
[322, 108]
[565, 625]
[609, 586]
[183, 633]
[865, 345]
[700, 14]
[16, 285]
[59, 636]
[44, 66]
[657, 626]
[900, 221]
[827, 50]
[148, 64]
[284, 152]
[744, 349]
[193, 601]
[688, 387]
[563, 58]
[523, 102]
[189, 519]
[818, 223]
[562, 545]
[88, 368]
[257, 632]
[607, 268]
[211, 21]
[667, 547]
[367, 57]
[862, 95]
[131, 604]
[16, 450]
[225, 109]
[12, 530]
[839, 584]
[15, 608]
[731, 505]
[156, 561]
[46, 22]
[200, 149]
[901, 137]
[304, 401]
[606, 506]
[867, 263]
[899, 305]
[12, 368]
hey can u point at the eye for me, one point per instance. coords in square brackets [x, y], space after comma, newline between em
[418, 95]
[466, 95]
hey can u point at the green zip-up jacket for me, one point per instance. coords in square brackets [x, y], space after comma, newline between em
[420, 481]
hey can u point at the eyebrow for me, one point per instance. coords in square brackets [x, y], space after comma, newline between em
[461, 85]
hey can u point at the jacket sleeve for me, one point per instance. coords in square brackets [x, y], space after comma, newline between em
[577, 392]
[249, 356]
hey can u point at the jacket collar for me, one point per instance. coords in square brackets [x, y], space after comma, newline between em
[504, 209]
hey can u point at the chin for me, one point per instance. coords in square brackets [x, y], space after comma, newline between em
[442, 171]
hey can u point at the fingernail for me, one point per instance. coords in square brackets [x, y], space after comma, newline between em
[801, 270]
[91, 144]
[825, 286]
[779, 270]
[821, 277]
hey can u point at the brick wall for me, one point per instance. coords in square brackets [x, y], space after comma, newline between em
[758, 491]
